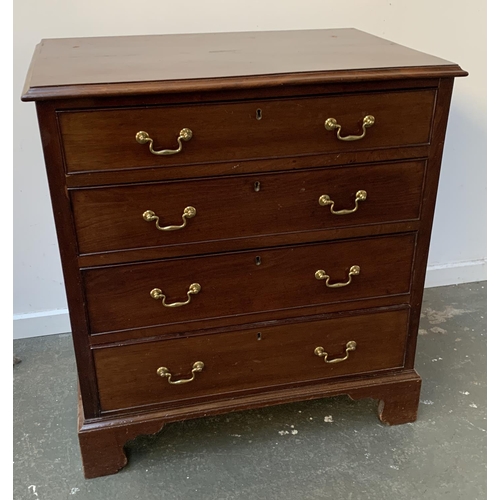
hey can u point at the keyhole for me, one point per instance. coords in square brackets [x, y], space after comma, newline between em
[259, 336]
[258, 261]
[258, 114]
[256, 186]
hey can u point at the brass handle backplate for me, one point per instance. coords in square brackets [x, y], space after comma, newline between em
[320, 351]
[321, 275]
[157, 294]
[164, 372]
[331, 124]
[184, 135]
[324, 200]
[150, 216]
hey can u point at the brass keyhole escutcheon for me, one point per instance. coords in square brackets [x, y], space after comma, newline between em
[256, 186]
[258, 114]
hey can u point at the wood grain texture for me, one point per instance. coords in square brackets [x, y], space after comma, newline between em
[429, 203]
[400, 408]
[99, 178]
[235, 285]
[235, 207]
[252, 359]
[105, 140]
[260, 312]
[251, 83]
[261, 319]
[115, 431]
[238, 93]
[249, 243]
[397, 406]
[171, 63]
[65, 228]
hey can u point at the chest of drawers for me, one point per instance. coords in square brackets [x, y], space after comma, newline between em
[243, 220]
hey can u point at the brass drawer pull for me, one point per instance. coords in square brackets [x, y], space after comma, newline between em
[321, 275]
[331, 124]
[320, 351]
[150, 216]
[184, 135]
[197, 368]
[325, 200]
[156, 293]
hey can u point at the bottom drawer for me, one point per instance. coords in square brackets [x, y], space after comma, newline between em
[128, 376]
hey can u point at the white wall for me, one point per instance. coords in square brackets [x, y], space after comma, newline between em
[449, 29]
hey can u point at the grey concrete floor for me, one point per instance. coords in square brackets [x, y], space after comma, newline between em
[326, 449]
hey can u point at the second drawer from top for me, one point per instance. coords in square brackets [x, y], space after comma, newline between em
[188, 212]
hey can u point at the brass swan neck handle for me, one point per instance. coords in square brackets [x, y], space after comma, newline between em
[165, 372]
[320, 351]
[143, 137]
[332, 124]
[320, 274]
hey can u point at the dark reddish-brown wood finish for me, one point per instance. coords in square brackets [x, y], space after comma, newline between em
[105, 140]
[118, 297]
[68, 249]
[124, 66]
[257, 358]
[235, 323]
[102, 442]
[429, 202]
[93, 95]
[245, 206]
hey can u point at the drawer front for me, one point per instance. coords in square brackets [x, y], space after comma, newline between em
[109, 219]
[127, 297]
[251, 359]
[106, 139]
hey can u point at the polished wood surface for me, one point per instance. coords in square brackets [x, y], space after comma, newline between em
[102, 442]
[105, 140]
[254, 242]
[428, 207]
[118, 297]
[68, 250]
[254, 250]
[96, 65]
[100, 178]
[245, 360]
[238, 207]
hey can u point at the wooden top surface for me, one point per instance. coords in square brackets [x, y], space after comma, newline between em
[75, 67]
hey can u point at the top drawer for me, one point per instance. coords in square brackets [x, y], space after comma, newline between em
[106, 139]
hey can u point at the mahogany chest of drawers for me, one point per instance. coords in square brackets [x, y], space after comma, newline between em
[243, 220]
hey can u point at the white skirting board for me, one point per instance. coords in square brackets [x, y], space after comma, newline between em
[52, 322]
[42, 323]
[455, 273]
